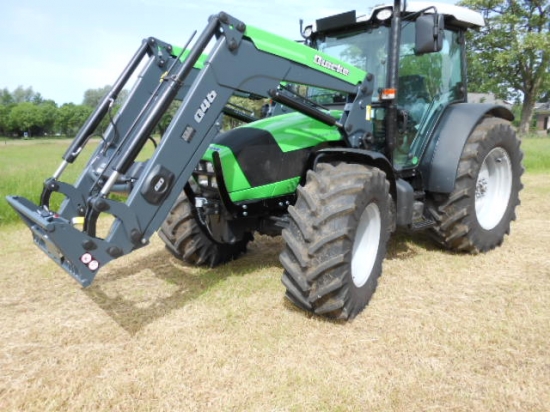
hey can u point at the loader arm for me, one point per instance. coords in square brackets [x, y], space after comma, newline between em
[242, 60]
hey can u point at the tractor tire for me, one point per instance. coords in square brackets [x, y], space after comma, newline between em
[477, 214]
[187, 239]
[336, 240]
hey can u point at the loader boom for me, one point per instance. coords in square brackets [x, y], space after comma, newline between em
[242, 60]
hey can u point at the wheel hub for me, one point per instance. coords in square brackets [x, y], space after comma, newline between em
[481, 187]
[493, 188]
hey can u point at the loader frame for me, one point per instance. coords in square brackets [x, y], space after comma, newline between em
[207, 84]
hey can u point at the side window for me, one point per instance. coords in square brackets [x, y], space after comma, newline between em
[427, 84]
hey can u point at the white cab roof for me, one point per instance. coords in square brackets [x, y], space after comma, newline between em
[463, 17]
[461, 14]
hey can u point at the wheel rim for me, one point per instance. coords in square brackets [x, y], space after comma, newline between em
[493, 188]
[366, 244]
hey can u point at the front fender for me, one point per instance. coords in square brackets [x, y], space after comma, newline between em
[439, 165]
[361, 156]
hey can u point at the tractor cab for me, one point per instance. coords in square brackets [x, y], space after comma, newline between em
[418, 62]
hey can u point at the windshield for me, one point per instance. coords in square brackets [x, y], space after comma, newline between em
[366, 49]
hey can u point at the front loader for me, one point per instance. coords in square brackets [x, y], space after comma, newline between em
[375, 133]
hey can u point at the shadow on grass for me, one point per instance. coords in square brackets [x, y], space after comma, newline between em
[405, 244]
[152, 286]
[155, 285]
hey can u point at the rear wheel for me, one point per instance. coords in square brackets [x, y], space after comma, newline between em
[336, 240]
[476, 216]
[187, 238]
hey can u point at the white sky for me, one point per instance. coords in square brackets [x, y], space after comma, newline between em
[63, 47]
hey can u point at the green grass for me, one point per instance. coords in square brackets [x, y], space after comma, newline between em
[24, 164]
[536, 152]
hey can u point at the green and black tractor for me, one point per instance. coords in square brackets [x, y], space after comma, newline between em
[368, 130]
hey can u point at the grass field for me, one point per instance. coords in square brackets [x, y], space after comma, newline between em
[24, 164]
[443, 332]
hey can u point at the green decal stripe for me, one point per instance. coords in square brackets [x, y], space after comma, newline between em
[284, 187]
[291, 50]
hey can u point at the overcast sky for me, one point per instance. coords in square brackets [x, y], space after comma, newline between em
[63, 47]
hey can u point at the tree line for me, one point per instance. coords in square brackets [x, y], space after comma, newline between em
[26, 113]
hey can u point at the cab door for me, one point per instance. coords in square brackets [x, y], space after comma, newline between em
[427, 84]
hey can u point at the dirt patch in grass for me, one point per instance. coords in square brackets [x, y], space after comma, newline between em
[443, 332]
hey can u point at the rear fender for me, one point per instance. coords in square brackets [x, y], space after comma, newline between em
[439, 164]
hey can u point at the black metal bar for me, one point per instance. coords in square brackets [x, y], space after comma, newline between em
[99, 113]
[165, 98]
[393, 79]
[304, 108]
[239, 115]
[303, 98]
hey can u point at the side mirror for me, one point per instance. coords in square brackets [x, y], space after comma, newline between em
[429, 33]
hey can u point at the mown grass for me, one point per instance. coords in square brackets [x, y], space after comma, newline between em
[444, 331]
[24, 164]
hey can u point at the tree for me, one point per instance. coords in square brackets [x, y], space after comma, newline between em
[24, 110]
[21, 95]
[47, 110]
[92, 97]
[4, 119]
[63, 118]
[6, 104]
[35, 119]
[70, 118]
[23, 117]
[37, 98]
[5, 97]
[512, 52]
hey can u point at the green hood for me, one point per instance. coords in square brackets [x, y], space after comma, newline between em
[267, 158]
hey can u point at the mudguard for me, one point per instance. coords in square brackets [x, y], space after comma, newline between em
[439, 164]
[400, 190]
[351, 155]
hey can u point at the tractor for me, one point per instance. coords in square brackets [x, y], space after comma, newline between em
[368, 130]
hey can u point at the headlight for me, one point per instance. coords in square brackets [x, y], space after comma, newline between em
[205, 175]
[207, 181]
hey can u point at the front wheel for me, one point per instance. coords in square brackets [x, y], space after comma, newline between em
[187, 238]
[477, 214]
[336, 240]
